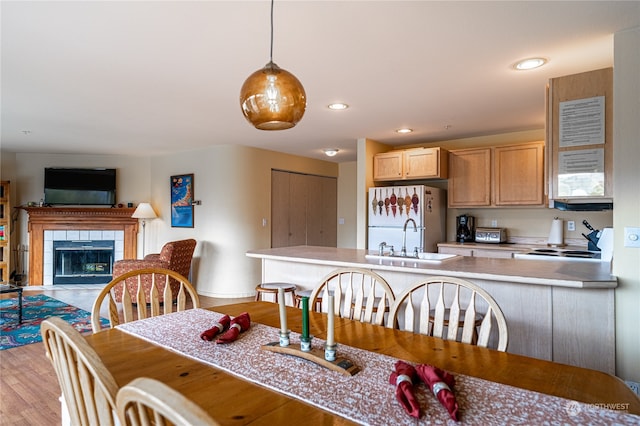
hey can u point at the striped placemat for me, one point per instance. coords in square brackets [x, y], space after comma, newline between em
[366, 397]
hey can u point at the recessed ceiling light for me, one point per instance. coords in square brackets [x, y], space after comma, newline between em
[331, 152]
[530, 63]
[338, 106]
[404, 130]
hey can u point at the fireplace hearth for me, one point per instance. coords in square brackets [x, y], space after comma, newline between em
[83, 262]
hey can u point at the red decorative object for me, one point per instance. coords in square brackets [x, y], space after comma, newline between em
[403, 378]
[441, 384]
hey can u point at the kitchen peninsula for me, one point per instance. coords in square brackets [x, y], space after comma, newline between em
[559, 311]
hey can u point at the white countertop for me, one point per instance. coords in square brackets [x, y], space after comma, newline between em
[526, 271]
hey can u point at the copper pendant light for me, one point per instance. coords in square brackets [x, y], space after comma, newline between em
[272, 98]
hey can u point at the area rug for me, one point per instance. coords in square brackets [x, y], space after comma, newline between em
[36, 309]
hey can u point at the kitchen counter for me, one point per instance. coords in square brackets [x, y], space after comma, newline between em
[561, 311]
[538, 272]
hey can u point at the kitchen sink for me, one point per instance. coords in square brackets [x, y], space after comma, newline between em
[422, 257]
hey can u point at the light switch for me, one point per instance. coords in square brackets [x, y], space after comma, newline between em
[631, 237]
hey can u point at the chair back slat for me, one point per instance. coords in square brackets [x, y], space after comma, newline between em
[141, 300]
[453, 321]
[167, 294]
[359, 294]
[424, 326]
[485, 330]
[158, 278]
[455, 303]
[409, 316]
[438, 322]
[154, 300]
[127, 307]
[469, 327]
[113, 309]
[181, 300]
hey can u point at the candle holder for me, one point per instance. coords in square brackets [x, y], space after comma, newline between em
[284, 339]
[330, 352]
[317, 356]
[305, 344]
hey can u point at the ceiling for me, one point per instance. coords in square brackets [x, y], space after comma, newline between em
[156, 77]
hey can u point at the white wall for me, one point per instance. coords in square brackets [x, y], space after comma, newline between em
[626, 193]
[234, 186]
[347, 205]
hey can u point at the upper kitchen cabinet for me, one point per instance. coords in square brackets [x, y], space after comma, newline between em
[411, 164]
[470, 178]
[518, 175]
[426, 163]
[388, 165]
[509, 175]
[580, 137]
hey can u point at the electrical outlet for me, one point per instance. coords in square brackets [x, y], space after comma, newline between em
[571, 225]
[631, 237]
[635, 387]
[494, 223]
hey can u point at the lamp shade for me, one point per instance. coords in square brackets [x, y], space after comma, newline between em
[273, 98]
[144, 211]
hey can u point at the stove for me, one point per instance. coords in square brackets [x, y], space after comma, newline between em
[560, 254]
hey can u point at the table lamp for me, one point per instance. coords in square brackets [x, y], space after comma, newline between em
[144, 211]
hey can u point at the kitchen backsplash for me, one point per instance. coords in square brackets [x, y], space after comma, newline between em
[532, 226]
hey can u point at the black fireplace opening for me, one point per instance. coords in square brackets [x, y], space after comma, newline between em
[83, 262]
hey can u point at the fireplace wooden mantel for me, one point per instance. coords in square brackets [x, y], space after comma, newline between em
[69, 218]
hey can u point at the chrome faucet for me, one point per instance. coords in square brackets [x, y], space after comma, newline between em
[381, 248]
[403, 252]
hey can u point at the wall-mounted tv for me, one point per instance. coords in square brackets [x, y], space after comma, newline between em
[79, 187]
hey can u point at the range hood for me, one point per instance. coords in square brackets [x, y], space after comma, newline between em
[582, 204]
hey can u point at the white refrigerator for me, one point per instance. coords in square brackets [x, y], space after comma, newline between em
[391, 207]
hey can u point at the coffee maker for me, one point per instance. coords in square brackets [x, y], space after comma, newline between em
[465, 228]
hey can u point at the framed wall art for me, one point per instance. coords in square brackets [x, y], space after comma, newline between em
[182, 201]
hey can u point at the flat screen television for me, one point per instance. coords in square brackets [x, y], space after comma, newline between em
[79, 187]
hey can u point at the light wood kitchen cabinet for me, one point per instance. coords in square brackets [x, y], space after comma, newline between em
[425, 163]
[510, 175]
[470, 177]
[388, 165]
[518, 175]
[584, 104]
[411, 164]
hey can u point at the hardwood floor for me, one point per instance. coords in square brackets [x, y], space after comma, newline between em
[29, 389]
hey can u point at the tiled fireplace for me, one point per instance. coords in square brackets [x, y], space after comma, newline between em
[79, 256]
[49, 224]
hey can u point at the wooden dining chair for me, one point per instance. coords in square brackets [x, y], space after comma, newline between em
[359, 294]
[454, 304]
[88, 388]
[133, 299]
[146, 401]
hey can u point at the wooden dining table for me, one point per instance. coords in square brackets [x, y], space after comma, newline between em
[232, 400]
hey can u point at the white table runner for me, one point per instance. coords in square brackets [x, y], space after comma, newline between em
[367, 397]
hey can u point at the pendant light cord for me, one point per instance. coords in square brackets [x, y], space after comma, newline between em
[271, 51]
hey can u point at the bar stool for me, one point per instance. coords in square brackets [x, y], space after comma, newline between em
[272, 288]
